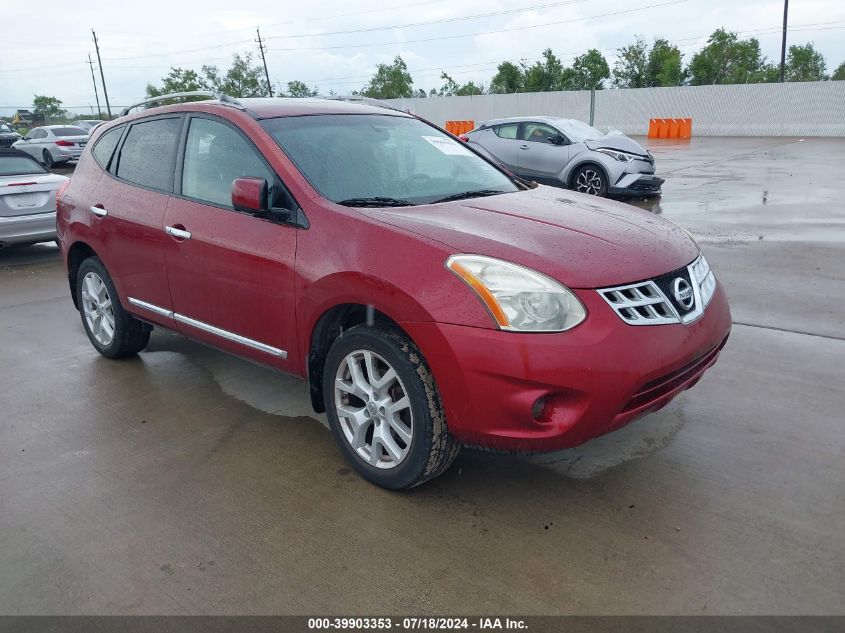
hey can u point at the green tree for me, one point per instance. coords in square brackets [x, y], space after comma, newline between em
[178, 80]
[243, 79]
[839, 73]
[805, 63]
[631, 67]
[47, 107]
[391, 81]
[664, 65]
[588, 71]
[508, 79]
[299, 89]
[451, 87]
[543, 76]
[726, 59]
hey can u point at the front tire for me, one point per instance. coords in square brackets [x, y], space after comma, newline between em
[591, 180]
[112, 331]
[384, 408]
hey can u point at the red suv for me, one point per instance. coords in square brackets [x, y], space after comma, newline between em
[429, 298]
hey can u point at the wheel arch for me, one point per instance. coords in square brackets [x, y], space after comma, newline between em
[570, 179]
[77, 253]
[330, 325]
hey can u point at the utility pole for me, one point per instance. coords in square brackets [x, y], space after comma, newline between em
[102, 76]
[94, 80]
[783, 42]
[263, 59]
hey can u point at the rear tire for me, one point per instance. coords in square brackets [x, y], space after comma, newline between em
[591, 180]
[112, 331]
[384, 408]
[48, 159]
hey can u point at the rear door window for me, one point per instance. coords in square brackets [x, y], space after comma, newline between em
[148, 154]
[105, 146]
[507, 130]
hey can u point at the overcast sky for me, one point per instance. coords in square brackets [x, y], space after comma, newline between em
[45, 52]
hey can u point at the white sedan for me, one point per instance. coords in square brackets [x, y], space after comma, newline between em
[53, 144]
[27, 200]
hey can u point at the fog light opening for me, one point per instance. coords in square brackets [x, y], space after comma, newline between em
[538, 408]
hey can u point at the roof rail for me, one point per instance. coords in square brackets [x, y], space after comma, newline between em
[364, 100]
[216, 96]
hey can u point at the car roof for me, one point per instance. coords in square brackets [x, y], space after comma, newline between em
[540, 118]
[53, 127]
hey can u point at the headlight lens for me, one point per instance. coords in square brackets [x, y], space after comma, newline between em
[519, 299]
[624, 157]
[705, 279]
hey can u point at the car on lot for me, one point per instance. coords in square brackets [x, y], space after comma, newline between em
[27, 199]
[52, 144]
[8, 135]
[429, 298]
[568, 153]
[88, 124]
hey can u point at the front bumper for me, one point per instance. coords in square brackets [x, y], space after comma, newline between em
[26, 229]
[637, 185]
[594, 378]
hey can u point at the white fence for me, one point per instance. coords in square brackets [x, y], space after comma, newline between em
[791, 109]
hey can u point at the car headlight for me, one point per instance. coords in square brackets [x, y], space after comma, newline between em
[519, 299]
[704, 277]
[624, 157]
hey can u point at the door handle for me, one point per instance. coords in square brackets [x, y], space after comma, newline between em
[179, 234]
[100, 212]
[523, 147]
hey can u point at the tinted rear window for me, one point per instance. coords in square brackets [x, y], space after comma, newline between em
[148, 154]
[105, 146]
[69, 131]
[19, 165]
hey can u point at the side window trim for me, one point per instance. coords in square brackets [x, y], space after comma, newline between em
[115, 161]
[297, 215]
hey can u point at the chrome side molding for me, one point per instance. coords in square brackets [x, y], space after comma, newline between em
[211, 329]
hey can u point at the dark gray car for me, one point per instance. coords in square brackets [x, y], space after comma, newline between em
[7, 135]
[568, 153]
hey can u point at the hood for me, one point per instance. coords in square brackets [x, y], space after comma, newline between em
[583, 241]
[618, 141]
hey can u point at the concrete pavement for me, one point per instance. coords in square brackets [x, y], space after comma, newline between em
[189, 481]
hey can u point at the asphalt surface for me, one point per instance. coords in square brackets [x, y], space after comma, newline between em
[189, 481]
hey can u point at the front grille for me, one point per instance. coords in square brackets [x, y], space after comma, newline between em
[7, 142]
[676, 297]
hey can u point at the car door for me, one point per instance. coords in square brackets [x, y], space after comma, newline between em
[127, 210]
[502, 142]
[543, 152]
[34, 143]
[231, 273]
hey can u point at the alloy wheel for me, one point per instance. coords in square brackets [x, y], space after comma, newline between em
[373, 409]
[97, 308]
[589, 182]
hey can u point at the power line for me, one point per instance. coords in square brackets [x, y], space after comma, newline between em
[477, 16]
[497, 31]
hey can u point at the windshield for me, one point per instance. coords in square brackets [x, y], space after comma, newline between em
[69, 131]
[5, 128]
[19, 165]
[578, 131]
[366, 156]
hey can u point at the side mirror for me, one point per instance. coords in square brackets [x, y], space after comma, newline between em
[25, 138]
[250, 195]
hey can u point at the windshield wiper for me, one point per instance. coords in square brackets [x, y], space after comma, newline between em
[376, 201]
[463, 195]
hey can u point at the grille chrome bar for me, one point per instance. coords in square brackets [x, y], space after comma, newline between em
[645, 303]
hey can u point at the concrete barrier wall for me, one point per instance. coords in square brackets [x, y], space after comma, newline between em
[790, 109]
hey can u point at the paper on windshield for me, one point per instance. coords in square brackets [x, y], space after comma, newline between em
[448, 146]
